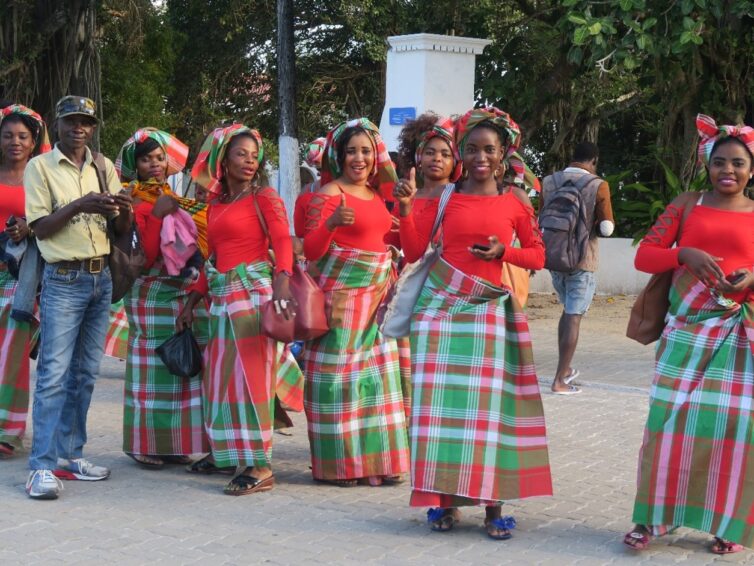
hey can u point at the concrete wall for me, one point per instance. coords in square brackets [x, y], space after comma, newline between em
[616, 274]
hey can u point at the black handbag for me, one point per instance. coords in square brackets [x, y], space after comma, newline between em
[126, 259]
[181, 354]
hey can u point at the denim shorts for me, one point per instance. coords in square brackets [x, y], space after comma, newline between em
[575, 290]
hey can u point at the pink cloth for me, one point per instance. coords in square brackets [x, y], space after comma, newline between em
[177, 240]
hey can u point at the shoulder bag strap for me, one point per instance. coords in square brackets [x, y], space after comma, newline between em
[98, 162]
[444, 199]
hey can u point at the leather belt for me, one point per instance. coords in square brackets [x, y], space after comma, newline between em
[91, 265]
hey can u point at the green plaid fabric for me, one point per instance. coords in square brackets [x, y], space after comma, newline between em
[244, 369]
[353, 399]
[477, 423]
[162, 413]
[15, 339]
[696, 466]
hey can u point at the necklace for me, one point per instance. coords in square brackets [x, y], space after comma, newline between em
[227, 200]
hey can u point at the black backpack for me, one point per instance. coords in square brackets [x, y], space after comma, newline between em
[566, 220]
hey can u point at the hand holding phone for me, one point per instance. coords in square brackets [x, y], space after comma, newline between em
[481, 247]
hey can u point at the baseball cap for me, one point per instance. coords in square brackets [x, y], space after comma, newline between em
[72, 104]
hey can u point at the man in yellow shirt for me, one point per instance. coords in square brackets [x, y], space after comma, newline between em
[69, 213]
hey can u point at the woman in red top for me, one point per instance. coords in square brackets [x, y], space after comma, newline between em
[477, 425]
[426, 145]
[22, 136]
[241, 370]
[162, 413]
[695, 465]
[353, 400]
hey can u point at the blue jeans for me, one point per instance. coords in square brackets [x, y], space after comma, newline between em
[74, 312]
[575, 290]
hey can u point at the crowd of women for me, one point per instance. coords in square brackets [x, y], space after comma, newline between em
[457, 404]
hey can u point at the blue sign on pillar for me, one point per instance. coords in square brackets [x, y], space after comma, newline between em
[399, 116]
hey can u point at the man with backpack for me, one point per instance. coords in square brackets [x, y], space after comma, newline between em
[575, 210]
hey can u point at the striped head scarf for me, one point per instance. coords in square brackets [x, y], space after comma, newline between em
[710, 133]
[208, 167]
[444, 129]
[314, 152]
[43, 140]
[386, 176]
[175, 150]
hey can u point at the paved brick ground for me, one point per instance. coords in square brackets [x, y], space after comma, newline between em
[171, 517]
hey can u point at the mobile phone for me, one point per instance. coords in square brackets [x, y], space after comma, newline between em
[735, 279]
[481, 247]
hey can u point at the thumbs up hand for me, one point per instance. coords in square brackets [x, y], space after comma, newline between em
[342, 216]
[405, 189]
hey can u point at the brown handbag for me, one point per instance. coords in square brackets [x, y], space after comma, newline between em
[310, 321]
[647, 319]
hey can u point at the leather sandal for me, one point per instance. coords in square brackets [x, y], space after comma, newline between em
[174, 460]
[638, 539]
[246, 485]
[206, 466]
[142, 461]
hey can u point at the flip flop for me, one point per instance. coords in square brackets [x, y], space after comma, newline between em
[722, 546]
[571, 376]
[572, 390]
[637, 539]
[207, 466]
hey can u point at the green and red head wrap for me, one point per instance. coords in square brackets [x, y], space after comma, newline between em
[710, 133]
[208, 169]
[175, 150]
[42, 139]
[385, 175]
[314, 152]
[443, 128]
[511, 158]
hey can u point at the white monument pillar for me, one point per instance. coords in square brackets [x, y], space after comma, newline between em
[427, 72]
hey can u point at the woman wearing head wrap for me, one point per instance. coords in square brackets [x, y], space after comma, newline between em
[23, 135]
[162, 413]
[477, 425]
[353, 402]
[695, 468]
[243, 370]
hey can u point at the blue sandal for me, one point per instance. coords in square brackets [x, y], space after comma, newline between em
[500, 528]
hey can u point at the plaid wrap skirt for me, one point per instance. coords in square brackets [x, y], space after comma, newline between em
[696, 465]
[15, 340]
[244, 369]
[477, 424]
[162, 413]
[353, 396]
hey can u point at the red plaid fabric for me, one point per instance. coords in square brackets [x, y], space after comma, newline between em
[116, 341]
[710, 133]
[162, 413]
[175, 151]
[477, 423]
[353, 398]
[15, 339]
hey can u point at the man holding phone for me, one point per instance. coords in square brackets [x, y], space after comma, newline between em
[69, 214]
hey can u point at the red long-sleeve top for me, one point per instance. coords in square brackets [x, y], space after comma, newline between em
[235, 234]
[372, 223]
[720, 233]
[11, 203]
[472, 219]
[149, 230]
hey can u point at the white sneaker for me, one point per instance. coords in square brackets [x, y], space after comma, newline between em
[80, 469]
[42, 484]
